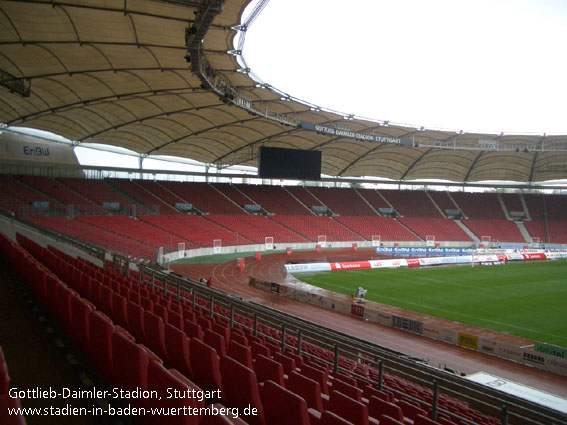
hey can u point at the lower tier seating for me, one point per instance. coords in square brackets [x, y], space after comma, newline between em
[150, 351]
[442, 229]
[498, 230]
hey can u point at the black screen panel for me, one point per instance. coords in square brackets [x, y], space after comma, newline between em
[296, 164]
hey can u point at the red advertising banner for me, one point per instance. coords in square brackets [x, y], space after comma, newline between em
[357, 310]
[350, 265]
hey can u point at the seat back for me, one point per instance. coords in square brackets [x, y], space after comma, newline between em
[287, 362]
[307, 388]
[369, 391]
[164, 382]
[258, 348]
[154, 332]
[177, 345]
[204, 322]
[283, 407]
[101, 329]
[268, 369]
[205, 365]
[119, 310]
[241, 389]
[193, 330]
[410, 410]
[330, 418]
[135, 316]
[423, 420]
[147, 304]
[105, 300]
[241, 339]
[317, 375]
[64, 315]
[216, 341]
[240, 353]
[80, 312]
[161, 311]
[130, 362]
[388, 420]
[378, 408]
[347, 389]
[175, 319]
[348, 408]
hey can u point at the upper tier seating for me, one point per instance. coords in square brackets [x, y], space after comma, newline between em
[14, 194]
[235, 195]
[443, 229]
[512, 202]
[342, 201]
[387, 228]
[255, 228]
[56, 190]
[479, 205]
[274, 199]
[536, 206]
[498, 230]
[194, 228]
[204, 196]
[141, 195]
[8, 202]
[98, 191]
[313, 226]
[442, 199]
[304, 196]
[556, 207]
[374, 198]
[157, 189]
[411, 203]
[136, 230]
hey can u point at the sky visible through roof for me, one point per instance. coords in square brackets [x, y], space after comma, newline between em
[486, 65]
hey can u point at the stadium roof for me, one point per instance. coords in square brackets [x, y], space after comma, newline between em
[165, 78]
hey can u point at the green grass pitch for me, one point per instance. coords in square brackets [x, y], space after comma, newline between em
[524, 299]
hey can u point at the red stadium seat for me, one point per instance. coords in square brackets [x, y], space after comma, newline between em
[283, 407]
[377, 408]
[205, 365]
[268, 369]
[241, 389]
[240, 353]
[216, 341]
[119, 311]
[101, 330]
[348, 408]
[154, 332]
[307, 388]
[193, 330]
[177, 345]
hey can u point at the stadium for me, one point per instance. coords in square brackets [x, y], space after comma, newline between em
[265, 259]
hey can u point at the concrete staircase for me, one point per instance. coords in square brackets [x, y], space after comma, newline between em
[468, 231]
[524, 232]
